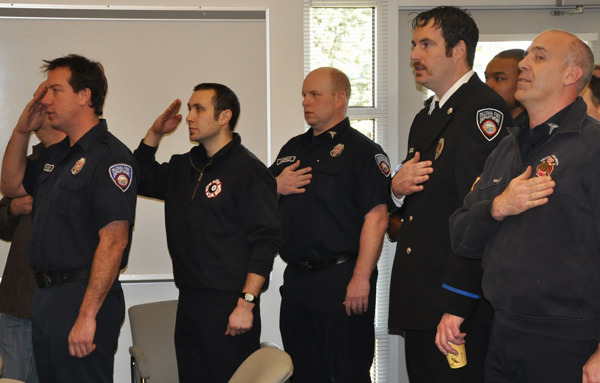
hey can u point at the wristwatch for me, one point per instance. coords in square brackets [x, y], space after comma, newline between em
[249, 297]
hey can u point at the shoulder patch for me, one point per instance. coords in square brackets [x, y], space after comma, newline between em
[285, 159]
[121, 175]
[383, 163]
[489, 121]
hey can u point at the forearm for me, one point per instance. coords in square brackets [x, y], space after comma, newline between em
[371, 241]
[254, 284]
[105, 267]
[152, 138]
[14, 164]
[470, 228]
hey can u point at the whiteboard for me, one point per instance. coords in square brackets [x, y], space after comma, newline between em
[151, 57]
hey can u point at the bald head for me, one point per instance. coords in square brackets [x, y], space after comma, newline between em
[580, 55]
[338, 80]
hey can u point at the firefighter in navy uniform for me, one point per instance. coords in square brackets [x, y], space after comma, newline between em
[84, 191]
[435, 297]
[334, 218]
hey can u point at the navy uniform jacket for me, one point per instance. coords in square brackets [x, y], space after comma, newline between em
[457, 138]
[350, 177]
[77, 190]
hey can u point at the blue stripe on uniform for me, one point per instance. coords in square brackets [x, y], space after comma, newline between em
[461, 292]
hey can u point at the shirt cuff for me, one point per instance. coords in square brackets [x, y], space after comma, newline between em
[397, 201]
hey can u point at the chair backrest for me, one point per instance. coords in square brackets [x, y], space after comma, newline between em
[265, 365]
[152, 331]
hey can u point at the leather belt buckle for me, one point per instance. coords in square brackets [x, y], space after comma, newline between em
[43, 280]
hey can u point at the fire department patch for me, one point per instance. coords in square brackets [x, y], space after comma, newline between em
[439, 148]
[337, 150]
[121, 175]
[489, 122]
[286, 159]
[547, 166]
[384, 164]
[213, 188]
[78, 166]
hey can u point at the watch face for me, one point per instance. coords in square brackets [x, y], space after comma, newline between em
[249, 297]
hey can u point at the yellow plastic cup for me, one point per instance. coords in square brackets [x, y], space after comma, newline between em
[460, 360]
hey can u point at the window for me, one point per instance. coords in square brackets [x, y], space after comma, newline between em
[352, 36]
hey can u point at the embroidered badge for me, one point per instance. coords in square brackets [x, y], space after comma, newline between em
[78, 166]
[547, 166]
[384, 164]
[286, 159]
[337, 150]
[121, 175]
[489, 122]
[475, 183]
[439, 148]
[213, 188]
[48, 168]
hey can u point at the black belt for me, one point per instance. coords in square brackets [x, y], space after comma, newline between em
[329, 262]
[47, 279]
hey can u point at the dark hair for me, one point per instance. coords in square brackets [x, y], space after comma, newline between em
[595, 88]
[516, 54]
[84, 74]
[223, 99]
[456, 24]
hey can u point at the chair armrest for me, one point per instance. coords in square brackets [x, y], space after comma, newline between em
[142, 362]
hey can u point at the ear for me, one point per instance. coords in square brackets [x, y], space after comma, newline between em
[225, 116]
[340, 99]
[460, 50]
[573, 74]
[85, 97]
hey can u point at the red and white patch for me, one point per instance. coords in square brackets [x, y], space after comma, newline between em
[78, 166]
[383, 163]
[547, 166]
[489, 121]
[213, 188]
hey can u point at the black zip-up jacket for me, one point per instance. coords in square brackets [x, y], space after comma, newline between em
[221, 214]
[541, 267]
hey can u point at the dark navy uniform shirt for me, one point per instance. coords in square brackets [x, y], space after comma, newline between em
[350, 176]
[77, 190]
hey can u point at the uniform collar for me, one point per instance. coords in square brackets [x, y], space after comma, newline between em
[461, 81]
[92, 135]
[198, 152]
[568, 119]
[330, 134]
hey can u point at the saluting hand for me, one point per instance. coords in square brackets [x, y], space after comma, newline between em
[34, 114]
[166, 123]
[410, 177]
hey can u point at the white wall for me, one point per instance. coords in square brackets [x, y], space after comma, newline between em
[285, 24]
